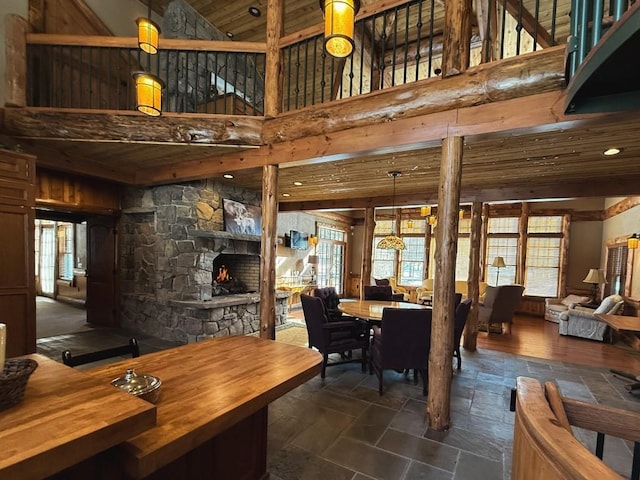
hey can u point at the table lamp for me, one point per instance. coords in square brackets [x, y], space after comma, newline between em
[595, 277]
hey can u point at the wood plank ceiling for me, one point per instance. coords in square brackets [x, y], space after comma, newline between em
[509, 165]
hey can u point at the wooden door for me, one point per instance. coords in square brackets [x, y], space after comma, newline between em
[17, 281]
[102, 293]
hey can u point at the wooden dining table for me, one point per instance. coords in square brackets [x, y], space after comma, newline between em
[371, 310]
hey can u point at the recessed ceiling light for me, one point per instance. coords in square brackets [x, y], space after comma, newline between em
[228, 175]
[612, 151]
[230, 34]
[297, 184]
[255, 11]
[286, 194]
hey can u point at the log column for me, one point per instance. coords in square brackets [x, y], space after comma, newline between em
[523, 224]
[440, 357]
[471, 327]
[268, 252]
[564, 255]
[456, 49]
[484, 241]
[272, 106]
[367, 249]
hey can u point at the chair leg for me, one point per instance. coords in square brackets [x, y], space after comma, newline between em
[456, 353]
[325, 360]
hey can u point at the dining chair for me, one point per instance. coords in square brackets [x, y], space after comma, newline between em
[378, 292]
[402, 343]
[334, 336]
[131, 348]
[330, 300]
[499, 306]
[460, 320]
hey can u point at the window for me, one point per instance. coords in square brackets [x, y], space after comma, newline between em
[383, 260]
[65, 251]
[330, 250]
[542, 263]
[502, 241]
[412, 261]
[616, 270]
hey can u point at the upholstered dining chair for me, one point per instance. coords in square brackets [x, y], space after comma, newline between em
[330, 300]
[460, 320]
[402, 343]
[334, 337]
[499, 306]
[378, 292]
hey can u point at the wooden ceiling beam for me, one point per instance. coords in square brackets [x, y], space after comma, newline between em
[609, 187]
[131, 127]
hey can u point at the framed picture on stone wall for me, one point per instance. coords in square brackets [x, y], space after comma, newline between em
[241, 218]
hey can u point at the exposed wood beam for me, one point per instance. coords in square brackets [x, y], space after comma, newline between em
[123, 126]
[608, 187]
[529, 23]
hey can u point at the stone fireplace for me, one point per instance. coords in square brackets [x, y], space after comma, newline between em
[173, 244]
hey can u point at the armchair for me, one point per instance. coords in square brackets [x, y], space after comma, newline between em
[499, 305]
[330, 301]
[398, 290]
[402, 343]
[581, 321]
[425, 292]
[553, 307]
[334, 337]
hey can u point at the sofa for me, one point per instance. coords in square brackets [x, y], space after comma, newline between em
[553, 307]
[581, 321]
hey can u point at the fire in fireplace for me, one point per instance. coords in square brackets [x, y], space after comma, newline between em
[225, 284]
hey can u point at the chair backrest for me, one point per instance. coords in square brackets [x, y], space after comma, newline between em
[610, 305]
[378, 292]
[131, 348]
[329, 296]
[406, 338]
[502, 301]
[462, 312]
[457, 298]
[382, 282]
[428, 284]
[315, 317]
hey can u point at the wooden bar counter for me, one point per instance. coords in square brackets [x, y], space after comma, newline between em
[65, 417]
[212, 411]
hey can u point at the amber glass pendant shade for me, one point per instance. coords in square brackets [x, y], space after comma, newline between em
[148, 93]
[148, 34]
[339, 20]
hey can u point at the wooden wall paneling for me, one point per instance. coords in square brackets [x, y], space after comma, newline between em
[17, 282]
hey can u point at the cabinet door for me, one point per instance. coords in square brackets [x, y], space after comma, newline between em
[17, 297]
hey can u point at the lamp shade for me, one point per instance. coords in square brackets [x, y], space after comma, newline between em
[313, 240]
[391, 242]
[595, 276]
[148, 93]
[312, 259]
[148, 33]
[498, 262]
[339, 19]
[425, 211]
[632, 241]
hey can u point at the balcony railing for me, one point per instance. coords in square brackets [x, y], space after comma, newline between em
[399, 45]
[96, 73]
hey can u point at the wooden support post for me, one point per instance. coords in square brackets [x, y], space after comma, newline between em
[471, 327]
[564, 255]
[268, 252]
[427, 247]
[484, 241]
[16, 29]
[440, 357]
[523, 224]
[273, 69]
[456, 38]
[367, 249]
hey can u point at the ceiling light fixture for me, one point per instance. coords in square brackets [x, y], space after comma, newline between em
[148, 33]
[392, 242]
[612, 151]
[230, 34]
[339, 19]
[148, 93]
[425, 211]
[228, 176]
[286, 194]
[297, 184]
[254, 11]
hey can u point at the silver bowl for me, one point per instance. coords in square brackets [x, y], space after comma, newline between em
[144, 386]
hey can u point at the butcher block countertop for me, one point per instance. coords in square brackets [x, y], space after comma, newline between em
[208, 387]
[66, 416]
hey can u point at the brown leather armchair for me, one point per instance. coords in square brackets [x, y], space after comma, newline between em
[499, 306]
[402, 343]
[334, 337]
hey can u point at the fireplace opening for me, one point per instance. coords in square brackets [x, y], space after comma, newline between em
[235, 274]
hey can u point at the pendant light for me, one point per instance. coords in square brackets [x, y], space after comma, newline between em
[392, 242]
[148, 33]
[339, 20]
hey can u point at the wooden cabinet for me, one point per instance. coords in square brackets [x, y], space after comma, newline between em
[17, 291]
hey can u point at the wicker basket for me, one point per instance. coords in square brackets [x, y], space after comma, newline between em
[13, 380]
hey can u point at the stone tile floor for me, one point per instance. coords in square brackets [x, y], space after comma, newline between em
[340, 428]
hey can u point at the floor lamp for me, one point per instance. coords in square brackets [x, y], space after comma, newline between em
[498, 263]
